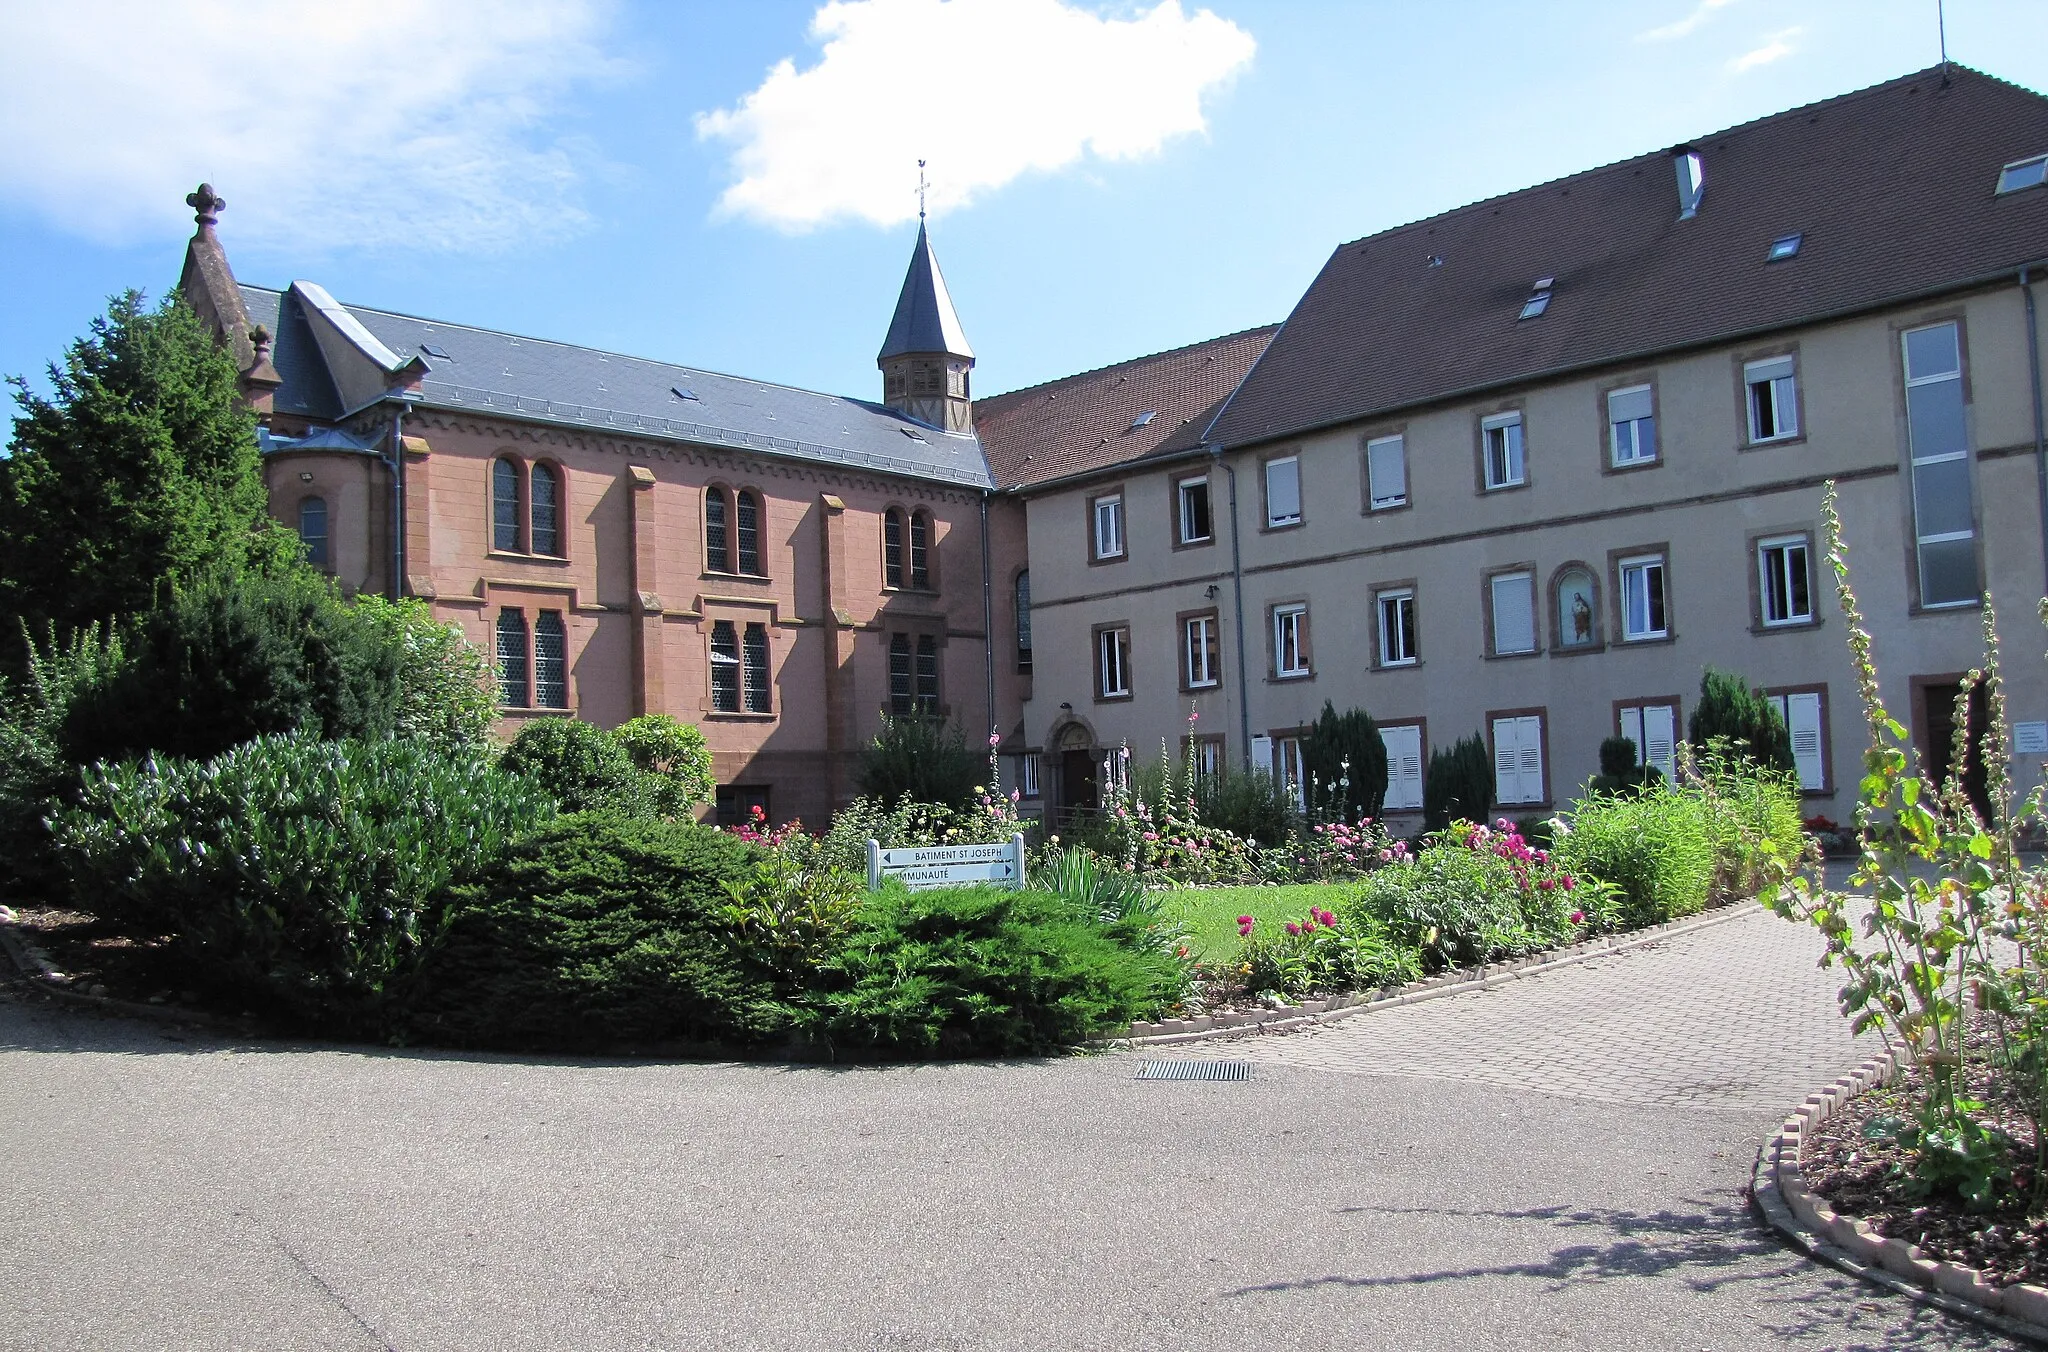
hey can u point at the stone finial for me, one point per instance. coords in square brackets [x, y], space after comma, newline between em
[206, 204]
[260, 341]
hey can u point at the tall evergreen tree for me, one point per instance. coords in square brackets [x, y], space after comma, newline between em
[1731, 708]
[141, 471]
[1344, 755]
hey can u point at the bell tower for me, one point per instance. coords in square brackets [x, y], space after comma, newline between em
[925, 360]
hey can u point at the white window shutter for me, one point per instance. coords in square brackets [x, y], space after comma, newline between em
[1628, 405]
[1660, 732]
[1803, 719]
[1387, 470]
[1507, 762]
[1532, 761]
[1404, 767]
[1514, 614]
[1283, 489]
[1632, 728]
[1262, 754]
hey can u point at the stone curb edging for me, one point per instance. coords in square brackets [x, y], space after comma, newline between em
[1287, 1018]
[1778, 1190]
[43, 975]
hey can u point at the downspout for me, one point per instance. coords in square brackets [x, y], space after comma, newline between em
[397, 466]
[1244, 707]
[2040, 431]
[988, 622]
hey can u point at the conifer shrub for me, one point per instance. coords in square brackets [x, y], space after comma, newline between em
[982, 972]
[1460, 784]
[298, 876]
[1346, 764]
[1733, 712]
[921, 759]
[36, 776]
[599, 931]
[1619, 772]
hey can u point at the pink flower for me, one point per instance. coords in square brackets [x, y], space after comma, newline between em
[1293, 928]
[1578, 917]
[1566, 882]
[1245, 920]
[1545, 883]
[995, 738]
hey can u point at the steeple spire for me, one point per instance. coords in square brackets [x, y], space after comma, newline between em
[925, 360]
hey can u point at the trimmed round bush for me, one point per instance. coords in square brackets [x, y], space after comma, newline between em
[599, 931]
[580, 764]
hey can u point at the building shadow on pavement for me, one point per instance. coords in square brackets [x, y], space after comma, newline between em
[1711, 1248]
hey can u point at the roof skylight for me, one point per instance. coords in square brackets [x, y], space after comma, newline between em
[432, 351]
[912, 433]
[1144, 418]
[1784, 247]
[2023, 174]
[1539, 298]
[681, 393]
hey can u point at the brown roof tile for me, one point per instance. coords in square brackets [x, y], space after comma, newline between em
[1087, 421]
[1891, 188]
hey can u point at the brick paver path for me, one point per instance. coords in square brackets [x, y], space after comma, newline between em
[1736, 1015]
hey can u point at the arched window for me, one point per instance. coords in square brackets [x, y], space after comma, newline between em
[1024, 621]
[717, 532]
[747, 526]
[550, 661]
[513, 688]
[920, 549]
[505, 506]
[313, 530]
[545, 534]
[892, 548]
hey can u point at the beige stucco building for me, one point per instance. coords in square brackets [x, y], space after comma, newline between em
[1525, 469]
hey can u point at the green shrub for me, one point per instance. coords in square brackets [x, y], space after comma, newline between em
[1460, 784]
[1322, 954]
[35, 774]
[979, 972]
[597, 931]
[1755, 820]
[1656, 846]
[1619, 772]
[1346, 765]
[921, 759]
[1475, 893]
[298, 875]
[789, 917]
[581, 765]
[1732, 709]
[673, 759]
[909, 822]
[1250, 804]
[234, 657]
[447, 692]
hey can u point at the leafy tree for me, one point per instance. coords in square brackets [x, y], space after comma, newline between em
[673, 758]
[447, 693]
[1731, 708]
[1347, 762]
[1460, 784]
[581, 764]
[141, 471]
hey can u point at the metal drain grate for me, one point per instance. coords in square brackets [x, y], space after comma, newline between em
[1195, 1070]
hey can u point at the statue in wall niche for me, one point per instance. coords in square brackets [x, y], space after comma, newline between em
[1575, 608]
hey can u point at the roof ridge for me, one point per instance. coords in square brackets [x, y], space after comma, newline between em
[1130, 361]
[1867, 91]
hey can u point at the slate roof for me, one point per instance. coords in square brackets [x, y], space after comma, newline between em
[536, 380]
[1087, 421]
[924, 320]
[1891, 188]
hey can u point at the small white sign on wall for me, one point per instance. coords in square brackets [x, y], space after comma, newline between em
[2029, 738]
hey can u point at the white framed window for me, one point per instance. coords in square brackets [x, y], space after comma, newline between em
[1518, 759]
[1772, 388]
[1113, 662]
[1631, 426]
[1193, 505]
[1804, 712]
[1404, 767]
[1283, 491]
[1937, 426]
[1514, 613]
[2028, 173]
[1502, 436]
[1109, 527]
[1027, 776]
[1386, 473]
[1642, 599]
[1397, 627]
[1198, 652]
[1290, 641]
[1654, 730]
[1785, 580]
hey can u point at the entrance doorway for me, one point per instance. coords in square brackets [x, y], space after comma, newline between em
[1080, 791]
[1938, 729]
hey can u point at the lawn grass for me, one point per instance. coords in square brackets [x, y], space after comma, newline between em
[1211, 913]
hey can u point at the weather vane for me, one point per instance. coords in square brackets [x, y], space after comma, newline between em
[921, 185]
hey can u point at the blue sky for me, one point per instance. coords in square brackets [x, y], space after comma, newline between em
[1108, 179]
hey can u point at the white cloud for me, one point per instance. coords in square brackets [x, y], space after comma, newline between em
[325, 125]
[987, 90]
[1684, 27]
[1776, 47]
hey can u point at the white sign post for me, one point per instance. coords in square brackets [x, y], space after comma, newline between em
[1000, 865]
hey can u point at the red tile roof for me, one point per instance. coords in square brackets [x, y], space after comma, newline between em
[1089, 421]
[1890, 187]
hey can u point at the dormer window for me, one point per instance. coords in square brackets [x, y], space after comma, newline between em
[2031, 173]
[1784, 247]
